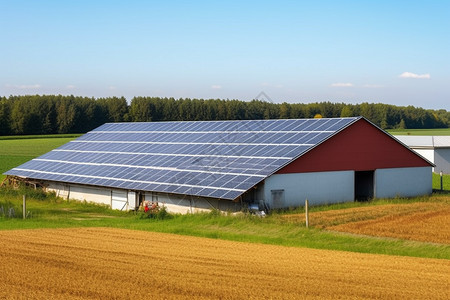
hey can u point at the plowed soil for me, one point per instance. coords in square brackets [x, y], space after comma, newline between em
[421, 221]
[105, 263]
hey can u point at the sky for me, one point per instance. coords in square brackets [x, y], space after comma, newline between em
[394, 52]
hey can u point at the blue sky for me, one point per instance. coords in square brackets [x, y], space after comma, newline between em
[394, 52]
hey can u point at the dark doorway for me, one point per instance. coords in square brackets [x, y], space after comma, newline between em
[363, 185]
[141, 197]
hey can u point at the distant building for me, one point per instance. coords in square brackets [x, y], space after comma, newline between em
[229, 165]
[434, 148]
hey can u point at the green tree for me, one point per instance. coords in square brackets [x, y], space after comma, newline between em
[5, 116]
[66, 114]
[116, 109]
[140, 110]
[346, 111]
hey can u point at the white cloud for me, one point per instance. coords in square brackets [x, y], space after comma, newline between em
[373, 86]
[342, 84]
[413, 75]
[216, 87]
[112, 88]
[70, 87]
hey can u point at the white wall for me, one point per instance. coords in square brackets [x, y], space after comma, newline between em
[174, 203]
[427, 153]
[403, 182]
[317, 187]
[81, 192]
[61, 190]
[442, 160]
[183, 204]
[90, 194]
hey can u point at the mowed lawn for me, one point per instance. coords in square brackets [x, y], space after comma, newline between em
[17, 150]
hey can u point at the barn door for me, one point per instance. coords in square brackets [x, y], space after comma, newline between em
[364, 187]
[119, 200]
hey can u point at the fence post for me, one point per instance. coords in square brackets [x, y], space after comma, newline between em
[24, 211]
[442, 184]
[306, 213]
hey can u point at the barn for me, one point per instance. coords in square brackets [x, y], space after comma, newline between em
[229, 165]
[434, 148]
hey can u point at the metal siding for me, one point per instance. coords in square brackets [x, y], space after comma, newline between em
[416, 140]
[317, 187]
[403, 182]
[182, 204]
[441, 141]
[442, 160]
[119, 200]
[80, 192]
[133, 201]
[173, 204]
[60, 189]
[359, 147]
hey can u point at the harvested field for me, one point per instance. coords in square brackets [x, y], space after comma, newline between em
[420, 221]
[105, 263]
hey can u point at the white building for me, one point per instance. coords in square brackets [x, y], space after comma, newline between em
[434, 148]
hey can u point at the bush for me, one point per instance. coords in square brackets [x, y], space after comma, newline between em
[156, 213]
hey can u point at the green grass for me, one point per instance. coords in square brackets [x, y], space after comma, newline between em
[47, 211]
[17, 150]
[31, 147]
[445, 182]
[8, 162]
[437, 131]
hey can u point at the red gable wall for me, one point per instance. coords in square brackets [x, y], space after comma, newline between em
[359, 147]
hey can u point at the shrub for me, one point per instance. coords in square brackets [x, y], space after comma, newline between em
[157, 212]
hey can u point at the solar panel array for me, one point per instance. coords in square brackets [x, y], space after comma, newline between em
[218, 159]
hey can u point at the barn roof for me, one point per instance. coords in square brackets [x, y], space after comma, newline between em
[218, 159]
[424, 142]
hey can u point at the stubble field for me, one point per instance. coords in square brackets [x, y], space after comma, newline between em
[105, 263]
[421, 221]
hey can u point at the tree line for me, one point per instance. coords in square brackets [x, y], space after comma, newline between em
[51, 114]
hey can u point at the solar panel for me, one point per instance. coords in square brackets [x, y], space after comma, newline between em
[219, 159]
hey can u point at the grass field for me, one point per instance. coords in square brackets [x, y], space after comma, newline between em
[107, 263]
[438, 131]
[445, 182]
[16, 150]
[49, 212]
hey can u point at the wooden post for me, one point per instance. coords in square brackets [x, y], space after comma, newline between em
[24, 211]
[306, 213]
[442, 183]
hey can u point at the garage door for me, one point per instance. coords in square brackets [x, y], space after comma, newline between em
[119, 200]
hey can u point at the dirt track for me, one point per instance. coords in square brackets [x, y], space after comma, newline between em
[102, 263]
